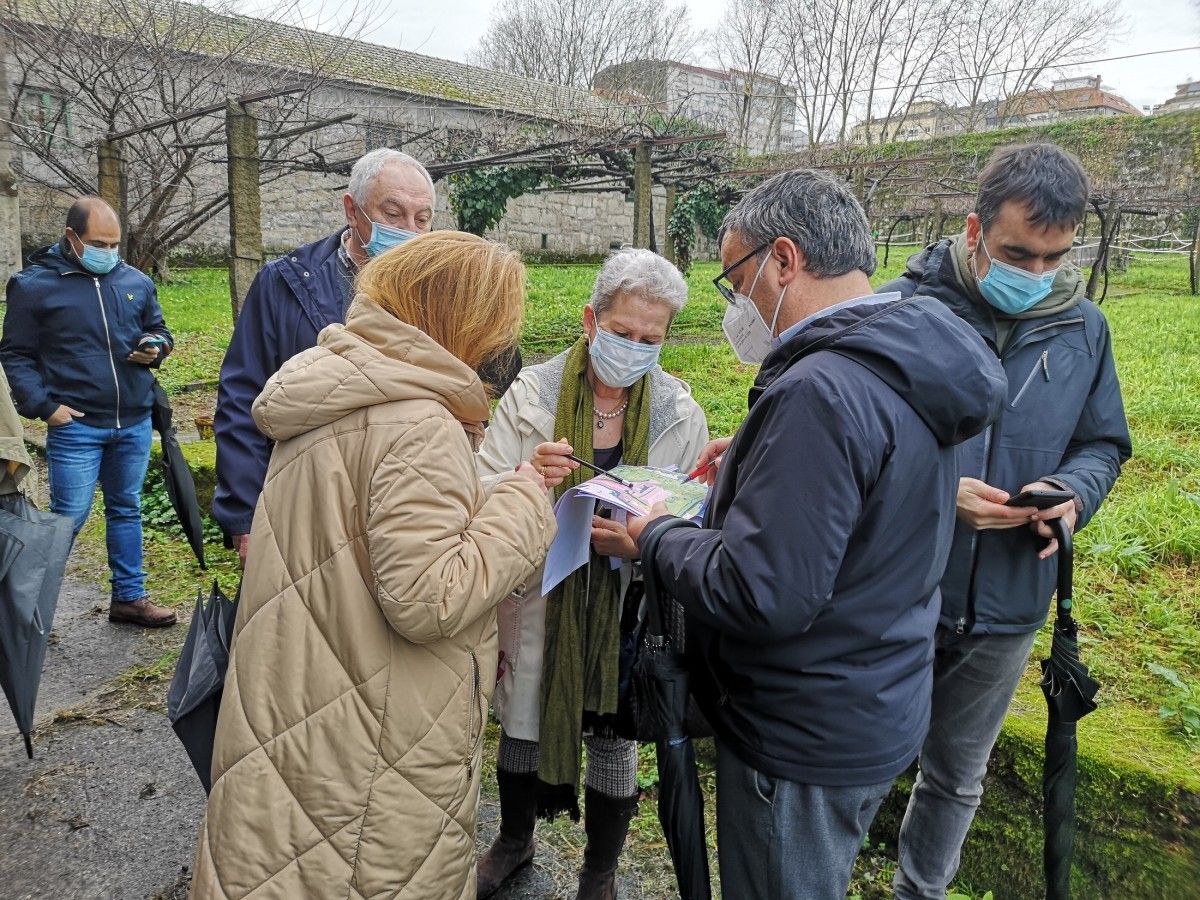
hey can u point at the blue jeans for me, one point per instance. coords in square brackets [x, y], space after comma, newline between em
[783, 840]
[974, 679]
[79, 456]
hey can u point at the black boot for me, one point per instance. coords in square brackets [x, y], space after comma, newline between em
[606, 822]
[514, 846]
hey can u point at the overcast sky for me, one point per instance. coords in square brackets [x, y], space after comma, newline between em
[452, 28]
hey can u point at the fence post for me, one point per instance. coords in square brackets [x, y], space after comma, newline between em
[642, 195]
[10, 204]
[1194, 257]
[111, 184]
[668, 242]
[245, 202]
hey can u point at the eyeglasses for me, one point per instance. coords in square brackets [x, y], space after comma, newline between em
[726, 290]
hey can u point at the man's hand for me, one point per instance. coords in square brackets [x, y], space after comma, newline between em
[144, 357]
[712, 453]
[551, 462]
[982, 506]
[612, 539]
[1068, 511]
[241, 543]
[62, 416]
[637, 524]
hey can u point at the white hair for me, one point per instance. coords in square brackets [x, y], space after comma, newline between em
[371, 164]
[640, 272]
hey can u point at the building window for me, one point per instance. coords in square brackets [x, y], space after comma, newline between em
[379, 135]
[49, 113]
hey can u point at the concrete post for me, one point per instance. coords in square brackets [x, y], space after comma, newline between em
[111, 177]
[643, 198]
[668, 242]
[10, 207]
[245, 202]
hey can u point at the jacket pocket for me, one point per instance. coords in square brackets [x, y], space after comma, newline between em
[1042, 365]
[475, 713]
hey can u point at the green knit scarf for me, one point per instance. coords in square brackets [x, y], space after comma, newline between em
[580, 670]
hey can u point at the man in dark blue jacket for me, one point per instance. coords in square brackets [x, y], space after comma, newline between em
[1063, 428]
[81, 332]
[812, 588]
[390, 199]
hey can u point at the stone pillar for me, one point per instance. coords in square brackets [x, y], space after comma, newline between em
[668, 242]
[10, 207]
[245, 202]
[642, 195]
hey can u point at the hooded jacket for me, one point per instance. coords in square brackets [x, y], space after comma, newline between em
[348, 746]
[812, 588]
[67, 336]
[1063, 422]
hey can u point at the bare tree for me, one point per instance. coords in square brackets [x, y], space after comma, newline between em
[746, 47]
[569, 41]
[999, 51]
[85, 69]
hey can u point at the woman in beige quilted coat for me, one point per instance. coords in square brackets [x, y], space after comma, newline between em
[348, 747]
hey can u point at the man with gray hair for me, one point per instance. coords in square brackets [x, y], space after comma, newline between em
[390, 199]
[811, 587]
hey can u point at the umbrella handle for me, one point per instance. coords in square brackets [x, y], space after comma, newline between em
[1066, 563]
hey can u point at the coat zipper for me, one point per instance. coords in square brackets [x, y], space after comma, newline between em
[108, 338]
[1043, 363]
[471, 741]
[967, 623]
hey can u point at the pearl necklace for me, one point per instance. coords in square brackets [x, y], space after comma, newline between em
[602, 417]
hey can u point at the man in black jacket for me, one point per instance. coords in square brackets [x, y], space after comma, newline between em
[1063, 428]
[812, 588]
[81, 332]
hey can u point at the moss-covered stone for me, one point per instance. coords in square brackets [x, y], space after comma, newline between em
[1138, 816]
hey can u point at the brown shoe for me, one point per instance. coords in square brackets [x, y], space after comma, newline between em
[140, 612]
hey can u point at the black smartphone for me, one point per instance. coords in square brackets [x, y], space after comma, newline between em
[1040, 499]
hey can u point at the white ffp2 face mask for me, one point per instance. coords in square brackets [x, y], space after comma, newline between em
[751, 338]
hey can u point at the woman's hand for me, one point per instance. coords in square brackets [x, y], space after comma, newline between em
[552, 462]
[530, 474]
[611, 538]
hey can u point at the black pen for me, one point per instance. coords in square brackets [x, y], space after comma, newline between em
[594, 468]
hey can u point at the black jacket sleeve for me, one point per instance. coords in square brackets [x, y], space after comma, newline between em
[243, 452]
[770, 568]
[1100, 444]
[19, 352]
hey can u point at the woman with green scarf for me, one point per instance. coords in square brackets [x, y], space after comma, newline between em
[605, 400]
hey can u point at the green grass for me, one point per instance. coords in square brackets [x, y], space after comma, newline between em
[1138, 563]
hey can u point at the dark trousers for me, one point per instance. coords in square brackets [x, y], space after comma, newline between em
[782, 840]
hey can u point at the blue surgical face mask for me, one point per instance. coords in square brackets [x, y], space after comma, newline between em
[619, 362]
[99, 261]
[1012, 290]
[383, 237]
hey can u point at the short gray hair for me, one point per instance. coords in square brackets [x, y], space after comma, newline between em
[640, 272]
[815, 211]
[371, 164]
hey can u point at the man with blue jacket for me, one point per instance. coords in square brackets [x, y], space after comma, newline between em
[1063, 428]
[811, 589]
[389, 199]
[81, 332]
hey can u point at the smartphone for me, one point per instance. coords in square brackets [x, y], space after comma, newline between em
[1040, 499]
[150, 341]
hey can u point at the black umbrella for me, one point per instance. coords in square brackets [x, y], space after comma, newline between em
[194, 698]
[662, 679]
[177, 477]
[34, 547]
[1069, 692]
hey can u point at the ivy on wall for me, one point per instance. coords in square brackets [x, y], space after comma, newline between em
[480, 197]
[699, 210]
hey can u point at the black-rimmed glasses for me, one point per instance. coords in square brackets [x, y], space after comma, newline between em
[726, 290]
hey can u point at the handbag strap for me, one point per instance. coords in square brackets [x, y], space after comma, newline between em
[651, 578]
